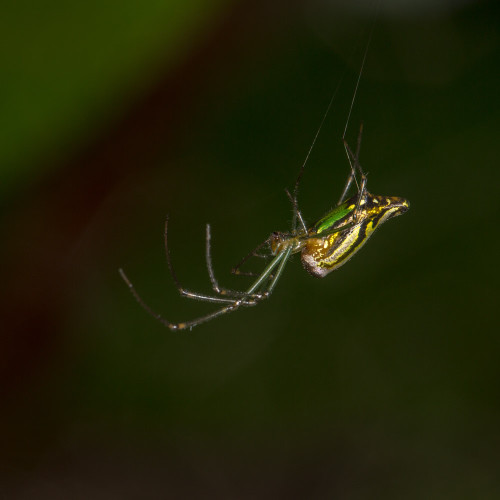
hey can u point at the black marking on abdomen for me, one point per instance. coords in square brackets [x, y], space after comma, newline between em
[354, 246]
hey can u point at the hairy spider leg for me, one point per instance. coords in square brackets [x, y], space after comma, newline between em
[215, 284]
[187, 293]
[280, 261]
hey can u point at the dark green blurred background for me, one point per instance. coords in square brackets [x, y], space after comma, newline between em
[380, 381]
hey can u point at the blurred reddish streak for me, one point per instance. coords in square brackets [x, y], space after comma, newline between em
[44, 225]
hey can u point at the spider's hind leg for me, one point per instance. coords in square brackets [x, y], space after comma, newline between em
[266, 281]
[195, 295]
[215, 284]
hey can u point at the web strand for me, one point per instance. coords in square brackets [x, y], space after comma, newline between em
[361, 71]
[302, 168]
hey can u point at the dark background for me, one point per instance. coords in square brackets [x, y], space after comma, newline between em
[379, 381]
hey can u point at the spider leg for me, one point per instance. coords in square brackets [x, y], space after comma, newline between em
[177, 326]
[283, 257]
[348, 183]
[236, 269]
[142, 303]
[280, 260]
[296, 213]
[215, 284]
[187, 293]
[352, 158]
[362, 187]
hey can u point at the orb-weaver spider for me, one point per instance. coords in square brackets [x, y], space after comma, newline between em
[325, 246]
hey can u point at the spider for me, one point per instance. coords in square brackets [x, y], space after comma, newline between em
[324, 247]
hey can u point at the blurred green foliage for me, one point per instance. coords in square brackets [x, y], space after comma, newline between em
[68, 69]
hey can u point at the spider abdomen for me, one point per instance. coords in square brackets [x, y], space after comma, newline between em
[321, 256]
